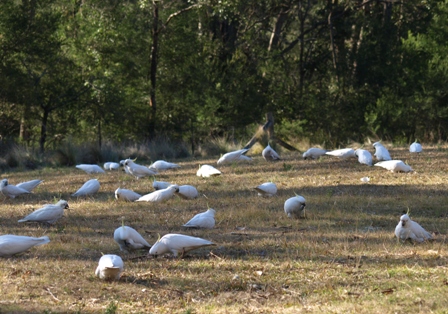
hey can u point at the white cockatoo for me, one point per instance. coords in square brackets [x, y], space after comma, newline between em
[364, 157]
[231, 156]
[394, 166]
[207, 171]
[29, 185]
[137, 170]
[49, 214]
[111, 165]
[10, 190]
[126, 195]
[415, 148]
[90, 169]
[177, 243]
[266, 189]
[202, 220]
[14, 244]
[314, 153]
[343, 153]
[129, 239]
[269, 154]
[187, 192]
[160, 195]
[294, 206]
[160, 185]
[409, 229]
[110, 267]
[90, 187]
[381, 152]
[163, 165]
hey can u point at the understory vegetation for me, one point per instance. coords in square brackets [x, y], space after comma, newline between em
[342, 257]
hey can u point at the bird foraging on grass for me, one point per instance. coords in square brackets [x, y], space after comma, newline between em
[364, 157]
[10, 190]
[160, 195]
[163, 165]
[202, 220]
[13, 244]
[126, 195]
[231, 156]
[343, 153]
[49, 214]
[314, 153]
[266, 189]
[90, 187]
[110, 267]
[177, 243]
[269, 154]
[295, 206]
[90, 169]
[409, 229]
[394, 166]
[415, 148]
[207, 171]
[129, 239]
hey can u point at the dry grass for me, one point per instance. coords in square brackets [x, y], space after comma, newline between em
[343, 258]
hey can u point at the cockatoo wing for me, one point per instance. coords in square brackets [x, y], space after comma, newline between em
[202, 220]
[90, 169]
[29, 185]
[314, 153]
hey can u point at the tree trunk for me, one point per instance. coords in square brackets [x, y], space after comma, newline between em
[43, 130]
[153, 73]
[275, 36]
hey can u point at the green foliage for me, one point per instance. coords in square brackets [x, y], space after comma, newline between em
[330, 72]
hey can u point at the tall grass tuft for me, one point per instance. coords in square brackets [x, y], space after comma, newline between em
[19, 156]
[217, 146]
[65, 155]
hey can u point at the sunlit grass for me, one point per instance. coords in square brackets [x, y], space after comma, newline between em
[342, 258]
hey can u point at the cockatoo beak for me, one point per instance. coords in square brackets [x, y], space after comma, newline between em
[403, 223]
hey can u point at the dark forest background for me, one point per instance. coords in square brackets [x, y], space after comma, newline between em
[134, 71]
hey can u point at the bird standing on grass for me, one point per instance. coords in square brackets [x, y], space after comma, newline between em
[160, 195]
[90, 187]
[110, 267]
[90, 169]
[266, 189]
[14, 244]
[129, 239]
[269, 154]
[409, 229]
[137, 170]
[381, 152]
[177, 243]
[202, 220]
[126, 195]
[415, 148]
[10, 190]
[295, 206]
[49, 214]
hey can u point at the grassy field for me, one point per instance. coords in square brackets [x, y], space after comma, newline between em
[342, 258]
